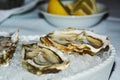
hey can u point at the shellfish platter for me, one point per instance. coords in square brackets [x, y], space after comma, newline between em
[54, 56]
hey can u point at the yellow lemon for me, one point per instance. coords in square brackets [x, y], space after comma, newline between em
[56, 7]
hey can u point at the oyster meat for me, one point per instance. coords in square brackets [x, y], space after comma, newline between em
[8, 46]
[39, 59]
[72, 40]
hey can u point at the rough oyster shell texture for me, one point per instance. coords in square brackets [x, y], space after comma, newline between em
[39, 59]
[73, 40]
[8, 46]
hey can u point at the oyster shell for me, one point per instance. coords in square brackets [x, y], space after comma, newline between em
[8, 46]
[75, 40]
[39, 59]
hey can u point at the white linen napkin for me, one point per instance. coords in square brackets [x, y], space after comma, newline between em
[5, 14]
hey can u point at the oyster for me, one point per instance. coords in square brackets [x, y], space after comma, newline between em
[73, 40]
[39, 59]
[8, 46]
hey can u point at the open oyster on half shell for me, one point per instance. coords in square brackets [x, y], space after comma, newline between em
[8, 46]
[73, 40]
[39, 59]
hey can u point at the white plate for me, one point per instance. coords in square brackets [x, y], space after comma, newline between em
[100, 71]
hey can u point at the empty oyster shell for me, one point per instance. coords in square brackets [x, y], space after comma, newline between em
[39, 59]
[7, 47]
[75, 40]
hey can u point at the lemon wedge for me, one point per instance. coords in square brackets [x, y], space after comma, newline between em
[56, 7]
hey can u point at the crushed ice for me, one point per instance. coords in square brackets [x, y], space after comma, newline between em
[78, 63]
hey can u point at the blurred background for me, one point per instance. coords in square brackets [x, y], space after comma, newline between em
[113, 6]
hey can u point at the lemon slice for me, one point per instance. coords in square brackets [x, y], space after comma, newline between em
[56, 7]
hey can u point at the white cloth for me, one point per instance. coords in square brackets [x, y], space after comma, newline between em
[4, 14]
